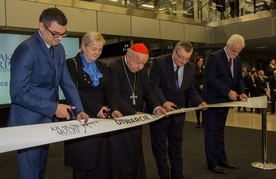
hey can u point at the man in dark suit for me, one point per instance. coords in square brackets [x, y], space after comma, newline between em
[272, 86]
[36, 75]
[270, 68]
[261, 86]
[172, 77]
[223, 83]
[251, 85]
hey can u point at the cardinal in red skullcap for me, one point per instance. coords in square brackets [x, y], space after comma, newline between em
[131, 90]
[140, 48]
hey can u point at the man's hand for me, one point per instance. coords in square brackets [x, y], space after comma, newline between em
[169, 106]
[233, 95]
[82, 115]
[202, 105]
[161, 111]
[62, 111]
[243, 97]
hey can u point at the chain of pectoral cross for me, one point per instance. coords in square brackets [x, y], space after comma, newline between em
[133, 96]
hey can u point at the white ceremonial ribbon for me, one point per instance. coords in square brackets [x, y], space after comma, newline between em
[20, 137]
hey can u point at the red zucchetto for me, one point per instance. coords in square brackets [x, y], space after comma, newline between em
[140, 48]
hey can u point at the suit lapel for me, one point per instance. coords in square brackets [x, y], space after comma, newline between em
[184, 77]
[170, 71]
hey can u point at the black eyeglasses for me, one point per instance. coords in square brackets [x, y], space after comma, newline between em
[181, 57]
[56, 34]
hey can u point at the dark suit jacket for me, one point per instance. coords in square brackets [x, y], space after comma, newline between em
[35, 80]
[218, 78]
[251, 85]
[269, 71]
[272, 84]
[260, 86]
[162, 80]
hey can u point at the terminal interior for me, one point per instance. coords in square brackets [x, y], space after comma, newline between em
[161, 23]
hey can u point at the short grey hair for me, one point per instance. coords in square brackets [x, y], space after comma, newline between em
[187, 46]
[235, 38]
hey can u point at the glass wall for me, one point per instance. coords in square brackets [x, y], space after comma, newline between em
[205, 10]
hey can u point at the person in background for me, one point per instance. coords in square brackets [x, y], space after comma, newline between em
[245, 89]
[38, 69]
[247, 75]
[272, 87]
[234, 8]
[261, 86]
[92, 80]
[172, 77]
[270, 68]
[199, 81]
[223, 83]
[251, 85]
[129, 80]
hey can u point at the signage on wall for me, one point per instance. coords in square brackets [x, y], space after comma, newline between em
[8, 44]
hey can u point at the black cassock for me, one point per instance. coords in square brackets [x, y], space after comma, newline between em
[126, 152]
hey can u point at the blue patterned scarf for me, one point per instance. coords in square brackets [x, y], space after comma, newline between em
[92, 70]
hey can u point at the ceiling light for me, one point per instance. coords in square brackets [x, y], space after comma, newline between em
[261, 47]
[147, 5]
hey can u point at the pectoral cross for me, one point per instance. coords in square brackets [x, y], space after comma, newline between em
[133, 98]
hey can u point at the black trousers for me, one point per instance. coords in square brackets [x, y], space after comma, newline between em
[273, 99]
[214, 125]
[160, 131]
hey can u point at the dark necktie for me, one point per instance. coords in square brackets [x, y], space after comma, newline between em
[230, 62]
[51, 51]
[176, 77]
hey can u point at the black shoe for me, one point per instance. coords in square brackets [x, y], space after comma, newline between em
[182, 177]
[216, 169]
[198, 125]
[272, 113]
[227, 165]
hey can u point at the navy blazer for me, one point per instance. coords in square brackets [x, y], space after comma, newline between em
[162, 79]
[272, 84]
[260, 86]
[219, 80]
[35, 80]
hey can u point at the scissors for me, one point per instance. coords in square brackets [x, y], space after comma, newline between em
[71, 114]
[106, 113]
[175, 107]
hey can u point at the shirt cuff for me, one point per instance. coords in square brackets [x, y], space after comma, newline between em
[155, 109]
